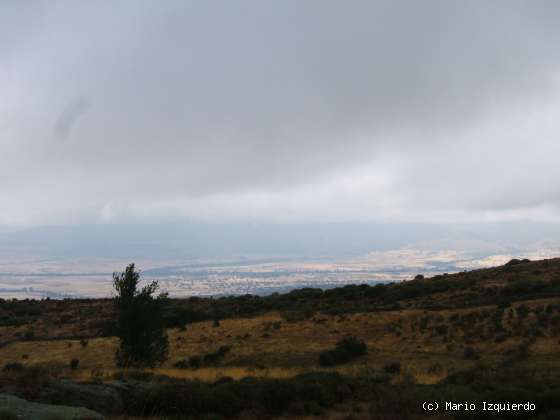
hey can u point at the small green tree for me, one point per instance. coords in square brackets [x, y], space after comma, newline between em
[140, 323]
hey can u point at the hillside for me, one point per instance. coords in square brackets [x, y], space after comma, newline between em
[458, 337]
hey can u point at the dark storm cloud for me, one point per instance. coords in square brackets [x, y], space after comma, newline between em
[297, 109]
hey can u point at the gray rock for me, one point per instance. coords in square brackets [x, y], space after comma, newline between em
[26, 410]
[102, 398]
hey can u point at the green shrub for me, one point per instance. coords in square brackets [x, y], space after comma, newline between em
[306, 394]
[524, 287]
[223, 350]
[522, 311]
[376, 291]
[392, 368]
[181, 364]
[206, 359]
[13, 367]
[470, 353]
[211, 358]
[345, 351]
[334, 357]
[441, 329]
[195, 361]
[137, 375]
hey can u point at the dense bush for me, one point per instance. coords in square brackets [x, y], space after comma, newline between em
[201, 360]
[29, 334]
[345, 351]
[516, 261]
[314, 393]
[394, 367]
[307, 394]
[13, 367]
[470, 353]
[524, 287]
[441, 329]
[136, 375]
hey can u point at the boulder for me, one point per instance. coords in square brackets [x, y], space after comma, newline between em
[19, 408]
[102, 398]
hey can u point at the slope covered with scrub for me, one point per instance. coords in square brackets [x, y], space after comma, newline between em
[452, 336]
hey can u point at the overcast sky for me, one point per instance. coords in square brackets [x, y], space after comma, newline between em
[259, 110]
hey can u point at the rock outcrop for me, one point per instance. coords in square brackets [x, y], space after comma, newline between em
[19, 408]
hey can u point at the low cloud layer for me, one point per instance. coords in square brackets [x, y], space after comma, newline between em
[297, 110]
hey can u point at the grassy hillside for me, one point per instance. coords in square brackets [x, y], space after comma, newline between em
[485, 334]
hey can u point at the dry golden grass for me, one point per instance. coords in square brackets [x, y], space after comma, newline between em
[259, 349]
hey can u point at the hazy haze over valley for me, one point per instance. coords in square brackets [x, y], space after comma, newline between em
[209, 259]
